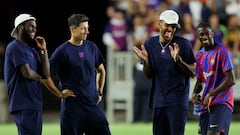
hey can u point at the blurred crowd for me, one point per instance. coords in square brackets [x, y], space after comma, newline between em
[132, 21]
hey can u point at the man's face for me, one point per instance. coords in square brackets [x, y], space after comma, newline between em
[167, 31]
[28, 31]
[205, 36]
[81, 31]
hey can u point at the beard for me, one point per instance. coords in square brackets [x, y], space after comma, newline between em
[26, 37]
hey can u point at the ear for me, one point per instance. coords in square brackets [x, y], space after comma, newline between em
[159, 23]
[72, 28]
[20, 27]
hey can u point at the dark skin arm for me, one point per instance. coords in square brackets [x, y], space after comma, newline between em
[189, 69]
[27, 72]
[197, 89]
[143, 55]
[146, 70]
[50, 85]
[227, 83]
[45, 66]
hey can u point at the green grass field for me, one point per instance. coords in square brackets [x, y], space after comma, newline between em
[118, 128]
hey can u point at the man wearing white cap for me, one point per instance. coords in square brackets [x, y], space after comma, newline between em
[26, 65]
[169, 61]
[26, 62]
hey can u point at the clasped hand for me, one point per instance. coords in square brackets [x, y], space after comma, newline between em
[41, 43]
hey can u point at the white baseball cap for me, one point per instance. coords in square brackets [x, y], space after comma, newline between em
[170, 17]
[20, 19]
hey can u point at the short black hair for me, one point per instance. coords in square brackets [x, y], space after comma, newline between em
[204, 25]
[75, 19]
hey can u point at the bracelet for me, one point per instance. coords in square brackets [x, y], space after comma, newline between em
[100, 94]
[44, 51]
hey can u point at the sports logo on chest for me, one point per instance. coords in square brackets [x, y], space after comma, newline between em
[81, 54]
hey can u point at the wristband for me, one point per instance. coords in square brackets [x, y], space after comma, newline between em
[44, 51]
[100, 94]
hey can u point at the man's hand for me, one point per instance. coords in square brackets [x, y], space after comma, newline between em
[67, 93]
[141, 53]
[174, 51]
[100, 98]
[207, 101]
[41, 43]
[196, 98]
